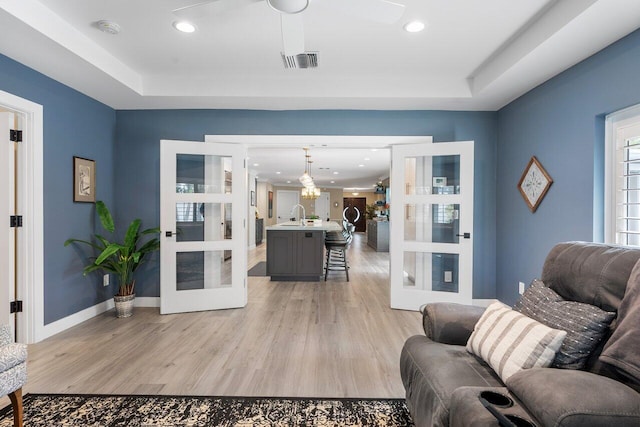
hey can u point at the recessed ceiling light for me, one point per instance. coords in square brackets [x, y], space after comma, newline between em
[184, 26]
[336, 173]
[360, 166]
[367, 158]
[374, 149]
[333, 182]
[108, 27]
[414, 26]
[256, 164]
[288, 182]
[277, 173]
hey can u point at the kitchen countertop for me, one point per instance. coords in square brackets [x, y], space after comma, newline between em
[295, 226]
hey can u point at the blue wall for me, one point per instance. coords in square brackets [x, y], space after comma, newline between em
[74, 125]
[561, 123]
[138, 158]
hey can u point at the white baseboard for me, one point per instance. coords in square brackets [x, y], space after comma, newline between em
[89, 313]
[75, 319]
[153, 302]
[483, 302]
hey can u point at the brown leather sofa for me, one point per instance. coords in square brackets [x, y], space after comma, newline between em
[443, 381]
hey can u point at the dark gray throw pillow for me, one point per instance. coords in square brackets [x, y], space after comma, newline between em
[585, 324]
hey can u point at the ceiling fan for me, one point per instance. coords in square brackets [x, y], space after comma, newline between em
[382, 11]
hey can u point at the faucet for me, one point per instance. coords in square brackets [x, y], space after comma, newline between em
[304, 215]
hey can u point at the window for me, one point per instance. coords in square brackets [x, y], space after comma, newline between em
[622, 177]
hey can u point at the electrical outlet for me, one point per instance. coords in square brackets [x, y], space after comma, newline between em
[105, 280]
[448, 277]
[521, 287]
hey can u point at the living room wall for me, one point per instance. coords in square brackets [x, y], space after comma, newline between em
[74, 125]
[138, 157]
[561, 122]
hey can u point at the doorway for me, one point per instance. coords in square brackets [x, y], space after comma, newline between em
[354, 209]
[322, 206]
[404, 247]
[29, 253]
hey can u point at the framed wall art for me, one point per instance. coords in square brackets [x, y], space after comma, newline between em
[534, 184]
[84, 180]
[270, 204]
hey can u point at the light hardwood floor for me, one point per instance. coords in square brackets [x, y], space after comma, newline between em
[322, 339]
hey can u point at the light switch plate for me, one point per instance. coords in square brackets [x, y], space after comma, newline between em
[448, 277]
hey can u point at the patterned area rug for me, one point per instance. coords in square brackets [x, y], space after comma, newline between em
[48, 410]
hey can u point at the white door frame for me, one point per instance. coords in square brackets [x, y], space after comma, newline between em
[30, 184]
[7, 208]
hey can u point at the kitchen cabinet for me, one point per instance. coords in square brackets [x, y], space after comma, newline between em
[378, 235]
[295, 255]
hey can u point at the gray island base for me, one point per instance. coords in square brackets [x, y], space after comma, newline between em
[296, 252]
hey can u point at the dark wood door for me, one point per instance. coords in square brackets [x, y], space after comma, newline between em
[354, 209]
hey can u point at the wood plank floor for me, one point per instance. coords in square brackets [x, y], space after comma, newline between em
[324, 339]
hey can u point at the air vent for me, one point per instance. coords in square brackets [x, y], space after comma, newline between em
[302, 60]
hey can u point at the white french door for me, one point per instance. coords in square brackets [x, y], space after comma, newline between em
[431, 224]
[203, 212]
[7, 209]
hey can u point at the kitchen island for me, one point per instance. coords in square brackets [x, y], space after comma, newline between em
[295, 252]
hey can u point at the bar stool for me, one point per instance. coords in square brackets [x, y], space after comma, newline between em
[336, 244]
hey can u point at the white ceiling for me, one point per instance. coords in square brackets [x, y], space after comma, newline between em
[474, 55]
[350, 168]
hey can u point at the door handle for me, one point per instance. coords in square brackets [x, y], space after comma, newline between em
[465, 235]
[168, 233]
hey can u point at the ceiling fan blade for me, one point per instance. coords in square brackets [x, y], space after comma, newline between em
[292, 34]
[206, 9]
[382, 11]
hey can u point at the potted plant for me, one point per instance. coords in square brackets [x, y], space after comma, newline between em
[370, 211]
[122, 259]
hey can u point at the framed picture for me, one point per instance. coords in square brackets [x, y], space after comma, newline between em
[253, 198]
[270, 204]
[84, 180]
[534, 184]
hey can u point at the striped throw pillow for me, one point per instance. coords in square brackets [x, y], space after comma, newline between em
[510, 341]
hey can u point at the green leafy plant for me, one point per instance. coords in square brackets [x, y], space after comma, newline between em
[122, 259]
[370, 211]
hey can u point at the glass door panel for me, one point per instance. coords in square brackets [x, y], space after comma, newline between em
[202, 174]
[437, 223]
[202, 270]
[431, 271]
